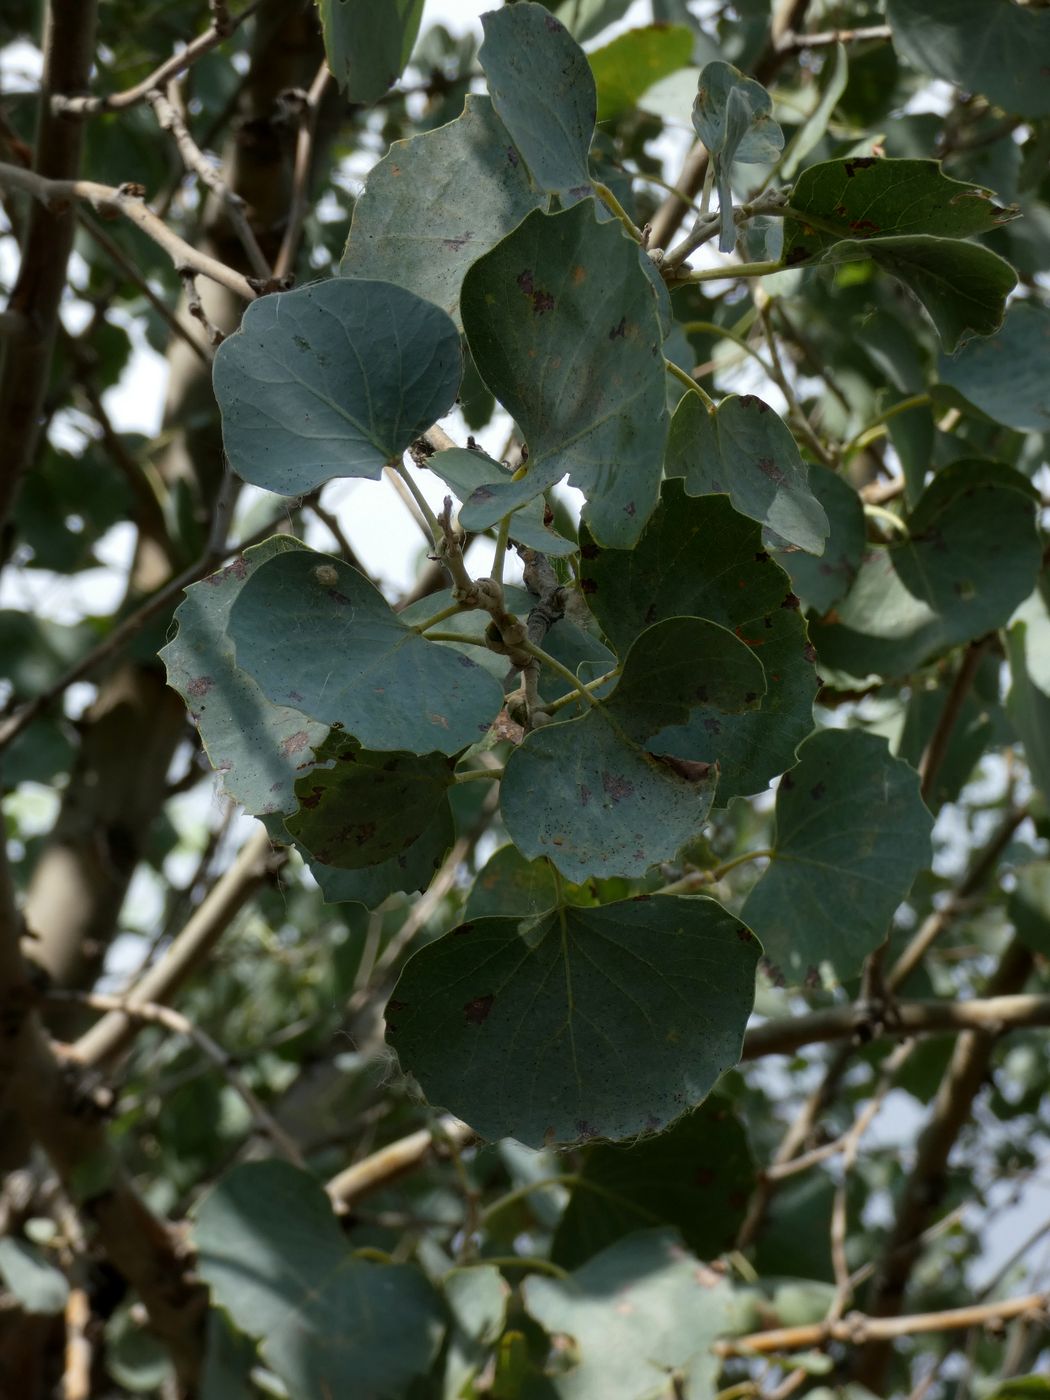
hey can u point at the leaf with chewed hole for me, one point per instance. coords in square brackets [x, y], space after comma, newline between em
[600, 417]
[580, 1023]
[608, 793]
[852, 833]
[258, 747]
[335, 379]
[343, 656]
[744, 449]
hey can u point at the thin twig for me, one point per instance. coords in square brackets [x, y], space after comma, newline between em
[222, 26]
[196, 308]
[933, 756]
[826, 38]
[299, 202]
[393, 1160]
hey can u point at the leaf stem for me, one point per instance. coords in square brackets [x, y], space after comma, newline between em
[464, 637]
[517, 1261]
[698, 878]
[727, 273]
[574, 695]
[607, 197]
[450, 611]
[546, 659]
[421, 501]
[502, 535]
[724, 333]
[677, 372]
[894, 521]
[863, 438]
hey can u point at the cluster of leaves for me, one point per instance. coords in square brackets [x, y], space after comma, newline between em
[634, 700]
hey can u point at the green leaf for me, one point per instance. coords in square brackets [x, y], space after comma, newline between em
[359, 809]
[747, 450]
[820, 583]
[1006, 375]
[526, 53]
[1028, 703]
[993, 47]
[852, 833]
[436, 202]
[471, 474]
[259, 748]
[612, 793]
[272, 1252]
[1021, 1388]
[972, 557]
[344, 657]
[628, 66]
[581, 1023]
[335, 379]
[962, 285]
[409, 871]
[1028, 906]
[733, 117]
[696, 1176]
[37, 1284]
[867, 198]
[601, 417]
[368, 45]
[698, 557]
[587, 18]
[510, 884]
[834, 76]
[477, 1300]
[642, 1310]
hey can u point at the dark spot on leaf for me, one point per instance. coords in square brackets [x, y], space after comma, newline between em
[579, 191]
[641, 898]
[338, 597]
[588, 585]
[616, 787]
[585, 1129]
[769, 468]
[200, 685]
[525, 282]
[454, 244]
[767, 623]
[589, 551]
[744, 934]
[629, 509]
[466, 662]
[712, 725]
[761, 557]
[685, 768]
[704, 1176]
[461, 929]
[314, 798]
[295, 743]
[753, 401]
[512, 155]
[809, 651]
[791, 602]
[619, 331]
[555, 26]
[817, 791]
[541, 302]
[860, 163]
[750, 697]
[294, 695]
[476, 1010]
[787, 782]
[772, 972]
[864, 226]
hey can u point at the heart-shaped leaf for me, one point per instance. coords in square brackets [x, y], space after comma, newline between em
[258, 747]
[746, 450]
[600, 795]
[272, 1253]
[733, 116]
[543, 90]
[700, 558]
[640, 1312]
[436, 202]
[359, 808]
[602, 418]
[852, 833]
[344, 657]
[580, 1023]
[971, 557]
[334, 379]
[696, 1176]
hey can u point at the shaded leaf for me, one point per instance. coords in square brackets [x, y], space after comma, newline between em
[471, 474]
[698, 557]
[509, 884]
[581, 1023]
[733, 116]
[696, 1176]
[259, 748]
[1028, 906]
[821, 582]
[368, 45]
[628, 66]
[972, 557]
[346, 658]
[601, 418]
[359, 809]
[409, 871]
[1028, 703]
[640, 1312]
[436, 202]
[37, 1284]
[335, 379]
[477, 1300]
[993, 47]
[1006, 375]
[611, 793]
[273, 1255]
[852, 833]
[527, 52]
[746, 450]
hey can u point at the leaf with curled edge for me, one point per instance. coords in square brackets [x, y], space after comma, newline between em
[601, 795]
[258, 747]
[579, 1023]
[733, 117]
[343, 656]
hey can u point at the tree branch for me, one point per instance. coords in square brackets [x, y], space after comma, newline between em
[309, 110]
[393, 1160]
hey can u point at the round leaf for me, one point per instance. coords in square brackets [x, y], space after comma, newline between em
[1006, 375]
